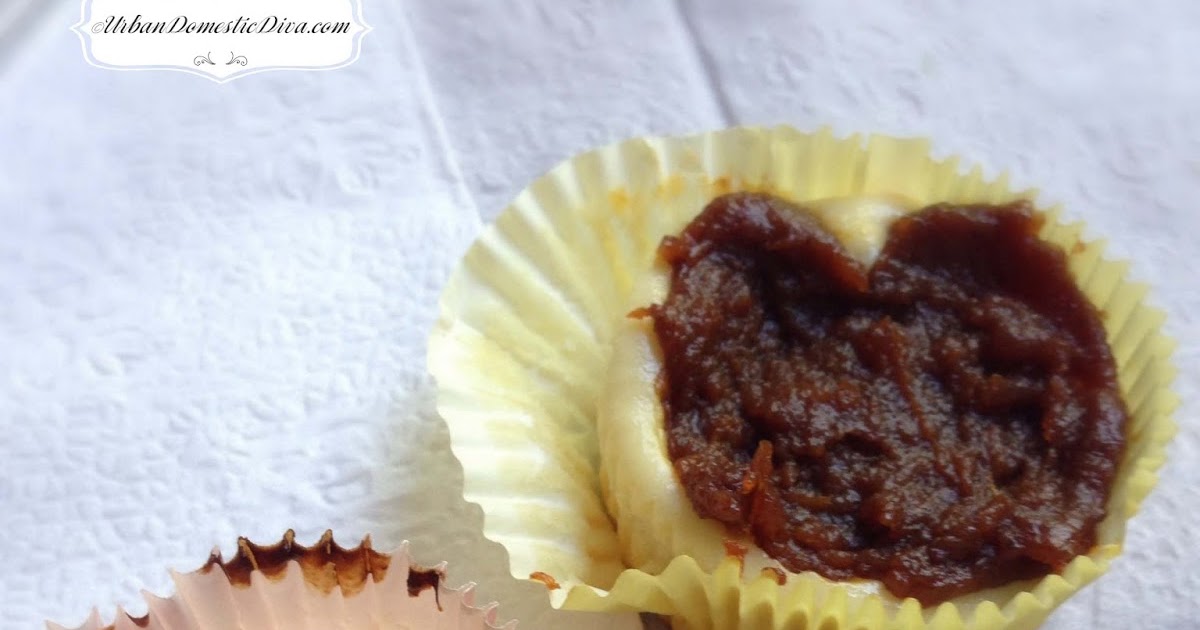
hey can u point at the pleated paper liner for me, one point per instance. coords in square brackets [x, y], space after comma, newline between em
[287, 586]
[523, 341]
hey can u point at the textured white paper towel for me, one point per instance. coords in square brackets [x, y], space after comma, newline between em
[214, 299]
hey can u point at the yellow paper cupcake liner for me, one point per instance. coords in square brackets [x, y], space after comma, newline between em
[287, 586]
[523, 340]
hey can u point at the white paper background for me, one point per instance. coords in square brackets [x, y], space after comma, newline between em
[214, 298]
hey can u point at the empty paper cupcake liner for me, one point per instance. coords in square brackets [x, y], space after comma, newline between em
[523, 341]
[287, 586]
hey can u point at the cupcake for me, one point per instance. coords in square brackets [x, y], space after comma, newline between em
[288, 585]
[761, 377]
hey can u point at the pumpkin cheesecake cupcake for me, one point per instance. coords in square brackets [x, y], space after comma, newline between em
[767, 378]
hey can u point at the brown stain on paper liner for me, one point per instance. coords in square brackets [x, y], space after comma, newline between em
[325, 565]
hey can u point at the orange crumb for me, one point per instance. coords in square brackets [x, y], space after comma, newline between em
[641, 313]
[775, 574]
[735, 549]
[545, 578]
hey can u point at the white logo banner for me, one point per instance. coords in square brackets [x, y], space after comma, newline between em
[221, 39]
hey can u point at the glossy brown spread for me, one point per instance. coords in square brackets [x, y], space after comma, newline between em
[944, 421]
